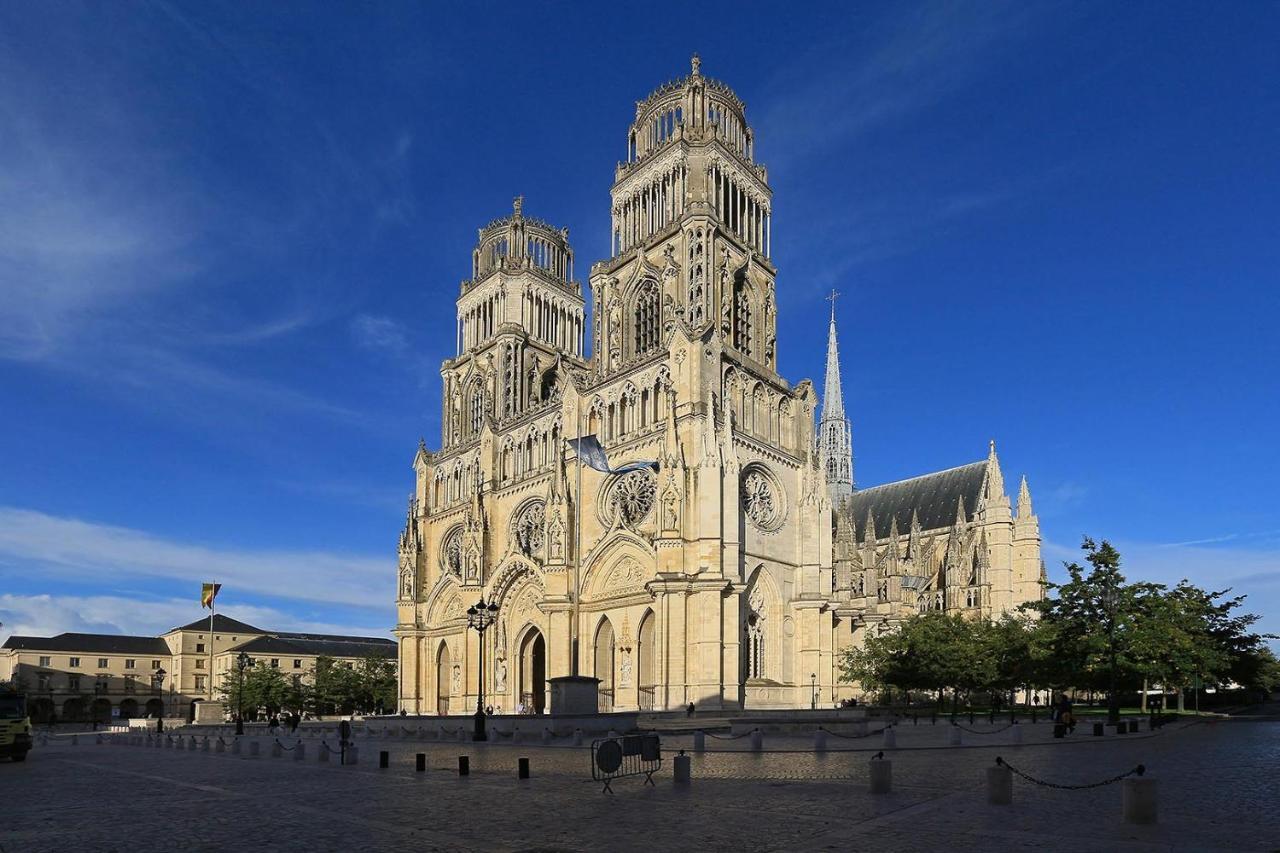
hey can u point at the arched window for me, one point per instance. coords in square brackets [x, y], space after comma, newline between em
[475, 408]
[757, 614]
[647, 319]
[742, 317]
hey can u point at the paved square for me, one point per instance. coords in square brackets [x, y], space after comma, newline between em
[1219, 790]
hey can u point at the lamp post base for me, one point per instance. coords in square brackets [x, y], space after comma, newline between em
[479, 733]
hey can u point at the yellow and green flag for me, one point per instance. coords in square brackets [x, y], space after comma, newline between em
[208, 593]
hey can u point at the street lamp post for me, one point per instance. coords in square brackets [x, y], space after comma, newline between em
[159, 683]
[1110, 599]
[241, 662]
[479, 618]
[813, 698]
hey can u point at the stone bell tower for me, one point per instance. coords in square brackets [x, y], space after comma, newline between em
[518, 316]
[690, 197]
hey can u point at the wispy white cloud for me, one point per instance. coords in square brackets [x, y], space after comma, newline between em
[1058, 497]
[918, 55]
[379, 333]
[71, 548]
[45, 615]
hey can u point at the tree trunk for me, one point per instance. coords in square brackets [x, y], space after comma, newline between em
[1143, 700]
[1182, 699]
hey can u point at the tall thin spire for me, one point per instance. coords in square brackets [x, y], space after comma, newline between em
[835, 441]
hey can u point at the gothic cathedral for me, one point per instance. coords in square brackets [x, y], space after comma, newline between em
[733, 574]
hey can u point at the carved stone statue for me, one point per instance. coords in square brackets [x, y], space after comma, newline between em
[500, 676]
[456, 687]
[624, 670]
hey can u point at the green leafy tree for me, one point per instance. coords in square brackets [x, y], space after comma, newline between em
[379, 684]
[932, 652]
[1093, 625]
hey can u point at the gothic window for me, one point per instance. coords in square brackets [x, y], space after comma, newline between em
[761, 498]
[528, 528]
[697, 277]
[742, 318]
[629, 499]
[755, 647]
[647, 318]
[755, 630]
[451, 553]
[510, 380]
[475, 407]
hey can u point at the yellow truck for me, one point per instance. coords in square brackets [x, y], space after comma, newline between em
[15, 727]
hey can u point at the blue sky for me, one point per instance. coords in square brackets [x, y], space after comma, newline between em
[230, 238]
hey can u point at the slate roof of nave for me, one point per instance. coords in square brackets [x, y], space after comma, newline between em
[933, 497]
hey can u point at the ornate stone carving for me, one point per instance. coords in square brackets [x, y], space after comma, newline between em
[528, 528]
[451, 552]
[500, 676]
[624, 670]
[555, 538]
[631, 498]
[760, 500]
[625, 575]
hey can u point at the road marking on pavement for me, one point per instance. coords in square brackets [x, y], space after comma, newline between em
[154, 778]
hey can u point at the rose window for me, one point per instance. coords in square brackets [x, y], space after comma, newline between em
[760, 500]
[529, 527]
[632, 497]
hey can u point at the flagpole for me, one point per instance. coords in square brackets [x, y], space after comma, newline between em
[577, 544]
[212, 607]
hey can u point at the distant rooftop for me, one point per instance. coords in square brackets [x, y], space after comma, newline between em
[104, 643]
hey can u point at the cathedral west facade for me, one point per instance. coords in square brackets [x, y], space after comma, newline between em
[732, 574]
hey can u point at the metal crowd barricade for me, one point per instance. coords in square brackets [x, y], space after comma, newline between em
[628, 755]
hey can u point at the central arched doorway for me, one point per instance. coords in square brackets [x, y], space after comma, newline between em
[533, 671]
[128, 709]
[444, 670]
[605, 663]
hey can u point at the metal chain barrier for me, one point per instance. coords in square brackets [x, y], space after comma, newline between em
[1137, 771]
[980, 732]
[726, 737]
[287, 748]
[857, 737]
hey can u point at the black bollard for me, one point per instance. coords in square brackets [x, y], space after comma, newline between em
[1097, 730]
[421, 763]
[971, 718]
[464, 765]
[523, 769]
[933, 718]
[1033, 715]
[915, 719]
[384, 760]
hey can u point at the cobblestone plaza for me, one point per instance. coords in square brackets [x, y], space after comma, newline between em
[1218, 790]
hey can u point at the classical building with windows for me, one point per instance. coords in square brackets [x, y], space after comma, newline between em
[733, 574]
[82, 677]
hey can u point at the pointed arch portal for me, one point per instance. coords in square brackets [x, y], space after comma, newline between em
[605, 663]
[444, 669]
[533, 671]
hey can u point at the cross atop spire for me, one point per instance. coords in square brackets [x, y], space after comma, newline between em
[832, 300]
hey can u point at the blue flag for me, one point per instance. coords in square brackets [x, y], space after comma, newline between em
[593, 456]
